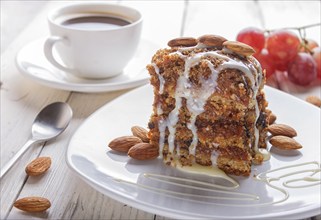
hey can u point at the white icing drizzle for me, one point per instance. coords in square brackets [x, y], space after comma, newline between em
[265, 153]
[227, 192]
[161, 87]
[212, 171]
[196, 97]
[161, 127]
[214, 158]
[232, 196]
[216, 173]
[160, 78]
[310, 178]
[172, 121]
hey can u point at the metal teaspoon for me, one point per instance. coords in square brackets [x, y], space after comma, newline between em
[49, 123]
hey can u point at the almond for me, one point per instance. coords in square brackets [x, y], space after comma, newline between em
[285, 143]
[143, 151]
[124, 143]
[268, 111]
[281, 129]
[239, 48]
[212, 40]
[38, 166]
[314, 100]
[141, 133]
[271, 118]
[32, 204]
[182, 42]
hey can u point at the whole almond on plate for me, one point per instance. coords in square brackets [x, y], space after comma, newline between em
[271, 118]
[281, 129]
[182, 42]
[143, 151]
[140, 132]
[285, 143]
[32, 204]
[212, 40]
[239, 48]
[124, 143]
[38, 166]
[314, 100]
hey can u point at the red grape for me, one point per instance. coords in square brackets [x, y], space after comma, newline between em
[316, 54]
[253, 37]
[282, 66]
[266, 62]
[283, 46]
[302, 70]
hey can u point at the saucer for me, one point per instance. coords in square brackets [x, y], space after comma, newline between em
[32, 63]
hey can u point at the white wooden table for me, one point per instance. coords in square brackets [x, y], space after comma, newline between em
[21, 98]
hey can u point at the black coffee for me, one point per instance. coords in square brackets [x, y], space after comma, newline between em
[95, 23]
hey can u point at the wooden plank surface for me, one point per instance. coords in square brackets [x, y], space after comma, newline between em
[20, 100]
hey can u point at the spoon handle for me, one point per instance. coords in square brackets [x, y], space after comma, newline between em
[14, 159]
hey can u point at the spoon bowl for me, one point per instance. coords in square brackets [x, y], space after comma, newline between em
[49, 123]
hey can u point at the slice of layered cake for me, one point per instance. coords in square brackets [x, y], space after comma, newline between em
[209, 104]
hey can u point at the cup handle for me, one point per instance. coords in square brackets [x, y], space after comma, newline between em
[48, 50]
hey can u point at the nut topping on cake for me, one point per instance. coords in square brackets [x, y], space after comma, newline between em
[212, 40]
[239, 48]
[182, 42]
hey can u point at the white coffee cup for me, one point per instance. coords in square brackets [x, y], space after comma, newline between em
[93, 40]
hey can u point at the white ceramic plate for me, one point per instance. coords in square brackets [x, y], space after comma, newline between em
[125, 180]
[32, 63]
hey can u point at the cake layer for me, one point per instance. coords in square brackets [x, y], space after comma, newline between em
[234, 166]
